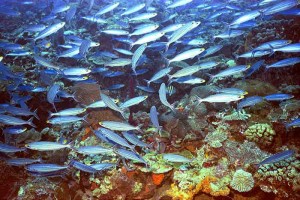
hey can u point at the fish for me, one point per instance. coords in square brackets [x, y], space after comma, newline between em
[221, 98]
[130, 155]
[93, 150]
[277, 157]
[163, 96]
[246, 17]
[14, 130]
[249, 101]
[66, 119]
[254, 68]
[133, 101]
[133, 139]
[119, 62]
[21, 161]
[149, 37]
[103, 166]
[82, 167]
[133, 9]
[178, 3]
[284, 63]
[49, 30]
[278, 97]
[51, 94]
[111, 104]
[10, 120]
[115, 32]
[290, 48]
[179, 33]
[230, 71]
[158, 75]
[280, 6]
[117, 139]
[5, 148]
[294, 123]
[176, 158]
[75, 71]
[143, 16]
[232, 91]
[136, 56]
[186, 55]
[119, 126]
[45, 167]
[145, 29]
[191, 80]
[154, 118]
[44, 62]
[107, 8]
[46, 146]
[68, 112]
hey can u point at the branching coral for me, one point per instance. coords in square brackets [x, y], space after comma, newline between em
[262, 134]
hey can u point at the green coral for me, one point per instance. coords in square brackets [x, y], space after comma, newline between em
[262, 134]
[215, 138]
[137, 187]
[156, 163]
[234, 115]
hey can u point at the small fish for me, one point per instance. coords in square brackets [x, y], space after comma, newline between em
[119, 62]
[9, 120]
[294, 123]
[51, 94]
[75, 71]
[254, 68]
[154, 118]
[221, 98]
[277, 157]
[119, 126]
[249, 101]
[145, 88]
[134, 9]
[44, 62]
[163, 96]
[284, 63]
[192, 80]
[115, 87]
[133, 139]
[130, 155]
[230, 71]
[45, 168]
[210, 51]
[107, 8]
[68, 112]
[112, 136]
[158, 75]
[290, 48]
[278, 97]
[142, 16]
[136, 56]
[21, 161]
[14, 130]
[232, 91]
[46, 146]
[93, 150]
[49, 30]
[280, 6]
[115, 32]
[4, 148]
[246, 17]
[111, 104]
[176, 158]
[186, 55]
[179, 3]
[103, 166]
[66, 119]
[133, 101]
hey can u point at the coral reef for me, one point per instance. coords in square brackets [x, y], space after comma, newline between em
[215, 138]
[281, 177]
[262, 134]
[242, 181]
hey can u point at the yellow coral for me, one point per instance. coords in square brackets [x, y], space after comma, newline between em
[204, 186]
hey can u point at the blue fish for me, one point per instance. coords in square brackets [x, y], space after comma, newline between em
[277, 157]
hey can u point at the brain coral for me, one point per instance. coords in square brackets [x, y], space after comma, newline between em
[242, 181]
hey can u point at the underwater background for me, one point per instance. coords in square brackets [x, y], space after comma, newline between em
[149, 99]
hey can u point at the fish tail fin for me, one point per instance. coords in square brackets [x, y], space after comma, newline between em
[35, 114]
[138, 128]
[167, 47]
[148, 82]
[29, 122]
[211, 77]
[84, 118]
